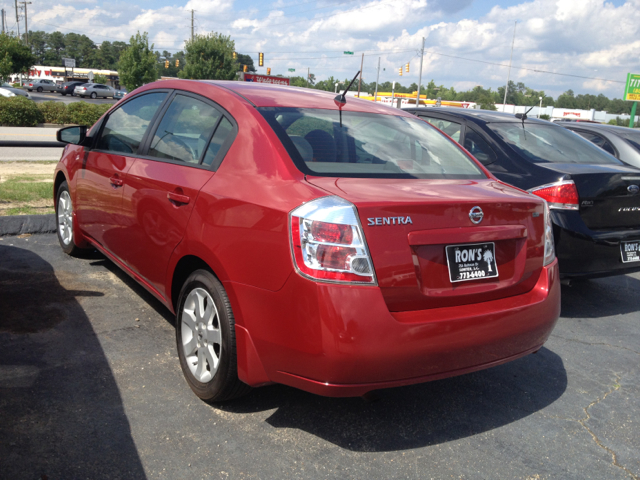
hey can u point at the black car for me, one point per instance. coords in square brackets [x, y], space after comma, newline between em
[621, 142]
[594, 198]
[67, 88]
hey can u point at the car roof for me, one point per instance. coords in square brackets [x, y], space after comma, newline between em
[486, 116]
[269, 95]
[603, 127]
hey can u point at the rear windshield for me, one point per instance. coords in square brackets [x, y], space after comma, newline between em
[550, 144]
[367, 145]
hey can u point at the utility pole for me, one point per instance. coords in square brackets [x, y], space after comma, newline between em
[26, 27]
[308, 73]
[3, 20]
[506, 88]
[192, 25]
[420, 74]
[375, 95]
[360, 81]
[17, 19]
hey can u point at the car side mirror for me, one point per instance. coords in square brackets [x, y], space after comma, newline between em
[73, 135]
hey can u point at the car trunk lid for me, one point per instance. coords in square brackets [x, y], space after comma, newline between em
[608, 195]
[409, 223]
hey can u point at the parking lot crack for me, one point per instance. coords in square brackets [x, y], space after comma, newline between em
[595, 344]
[583, 422]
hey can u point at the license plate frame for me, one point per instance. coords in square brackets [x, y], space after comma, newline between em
[480, 268]
[635, 253]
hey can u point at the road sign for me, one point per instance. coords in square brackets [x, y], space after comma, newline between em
[292, 69]
[70, 63]
[632, 88]
[348, 53]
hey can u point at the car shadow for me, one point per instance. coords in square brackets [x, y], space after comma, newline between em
[421, 415]
[601, 297]
[138, 289]
[61, 413]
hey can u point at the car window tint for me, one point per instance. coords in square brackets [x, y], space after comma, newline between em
[450, 128]
[597, 139]
[222, 132]
[127, 125]
[548, 143]
[478, 147]
[632, 136]
[356, 144]
[184, 130]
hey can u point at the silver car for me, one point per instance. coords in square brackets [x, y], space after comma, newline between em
[621, 142]
[16, 91]
[94, 90]
[41, 85]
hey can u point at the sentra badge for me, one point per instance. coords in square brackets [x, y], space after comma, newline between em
[389, 221]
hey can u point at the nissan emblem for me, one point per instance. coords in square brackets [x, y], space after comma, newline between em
[476, 215]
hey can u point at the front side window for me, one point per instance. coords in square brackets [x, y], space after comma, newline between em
[185, 130]
[633, 137]
[597, 140]
[548, 143]
[355, 144]
[127, 125]
[479, 148]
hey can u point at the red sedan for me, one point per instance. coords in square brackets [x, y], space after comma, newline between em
[337, 247]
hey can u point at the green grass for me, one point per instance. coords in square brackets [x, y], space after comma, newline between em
[29, 211]
[26, 188]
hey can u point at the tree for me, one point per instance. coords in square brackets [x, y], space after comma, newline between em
[137, 64]
[100, 79]
[209, 57]
[14, 56]
[245, 60]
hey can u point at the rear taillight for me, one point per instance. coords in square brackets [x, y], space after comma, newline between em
[549, 249]
[328, 243]
[560, 196]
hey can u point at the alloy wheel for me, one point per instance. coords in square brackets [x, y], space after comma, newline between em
[201, 336]
[65, 217]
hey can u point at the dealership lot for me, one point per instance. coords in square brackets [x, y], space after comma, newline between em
[56, 97]
[90, 387]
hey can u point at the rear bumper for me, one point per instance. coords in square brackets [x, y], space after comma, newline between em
[585, 253]
[341, 341]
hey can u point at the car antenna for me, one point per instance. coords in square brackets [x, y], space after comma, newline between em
[523, 116]
[341, 100]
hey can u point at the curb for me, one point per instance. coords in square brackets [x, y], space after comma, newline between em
[19, 224]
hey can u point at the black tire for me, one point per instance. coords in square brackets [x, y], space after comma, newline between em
[94, 95]
[82, 96]
[39, 89]
[64, 94]
[66, 242]
[223, 383]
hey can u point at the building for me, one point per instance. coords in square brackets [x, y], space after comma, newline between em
[62, 74]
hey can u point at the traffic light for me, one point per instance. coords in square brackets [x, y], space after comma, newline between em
[166, 64]
[244, 68]
[261, 59]
[235, 56]
[400, 71]
[407, 68]
[177, 63]
[268, 71]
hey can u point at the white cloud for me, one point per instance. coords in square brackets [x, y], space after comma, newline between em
[567, 36]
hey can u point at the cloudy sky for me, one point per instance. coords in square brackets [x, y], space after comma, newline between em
[467, 42]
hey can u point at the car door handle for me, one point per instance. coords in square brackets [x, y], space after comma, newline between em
[116, 182]
[178, 198]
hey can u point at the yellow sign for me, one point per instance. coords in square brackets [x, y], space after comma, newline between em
[632, 88]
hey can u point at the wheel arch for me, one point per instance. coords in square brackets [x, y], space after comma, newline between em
[185, 267]
[60, 177]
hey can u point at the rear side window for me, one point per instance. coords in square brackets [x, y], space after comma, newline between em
[184, 130]
[633, 137]
[356, 144]
[549, 143]
[450, 128]
[224, 131]
[126, 126]
[597, 140]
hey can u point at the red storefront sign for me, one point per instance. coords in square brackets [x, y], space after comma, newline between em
[250, 77]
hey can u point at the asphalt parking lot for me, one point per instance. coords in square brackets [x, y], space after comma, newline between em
[90, 387]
